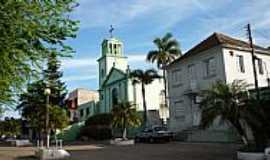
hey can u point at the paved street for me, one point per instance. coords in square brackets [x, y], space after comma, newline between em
[171, 151]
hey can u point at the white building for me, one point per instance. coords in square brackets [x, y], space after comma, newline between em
[82, 103]
[115, 85]
[219, 57]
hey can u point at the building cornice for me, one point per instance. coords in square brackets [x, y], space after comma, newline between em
[124, 57]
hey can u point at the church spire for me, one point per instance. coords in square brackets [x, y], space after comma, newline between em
[111, 31]
[112, 46]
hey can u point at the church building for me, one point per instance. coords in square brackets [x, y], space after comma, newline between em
[116, 86]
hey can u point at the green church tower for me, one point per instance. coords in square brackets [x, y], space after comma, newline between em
[111, 56]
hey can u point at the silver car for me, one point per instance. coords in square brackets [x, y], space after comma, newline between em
[154, 134]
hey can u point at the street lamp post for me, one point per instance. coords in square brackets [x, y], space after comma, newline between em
[47, 92]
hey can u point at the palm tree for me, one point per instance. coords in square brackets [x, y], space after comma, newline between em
[145, 78]
[124, 115]
[257, 116]
[167, 51]
[227, 102]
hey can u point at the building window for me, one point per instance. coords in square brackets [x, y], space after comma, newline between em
[120, 88]
[87, 111]
[114, 97]
[240, 63]
[115, 48]
[176, 77]
[192, 72]
[102, 73]
[81, 113]
[260, 65]
[210, 67]
[110, 49]
[179, 109]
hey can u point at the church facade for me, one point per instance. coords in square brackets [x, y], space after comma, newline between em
[115, 84]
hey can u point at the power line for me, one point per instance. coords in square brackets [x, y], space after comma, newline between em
[265, 36]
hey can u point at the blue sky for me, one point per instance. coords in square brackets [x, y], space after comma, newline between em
[138, 22]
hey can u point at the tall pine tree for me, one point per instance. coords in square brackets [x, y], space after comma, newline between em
[33, 101]
[52, 78]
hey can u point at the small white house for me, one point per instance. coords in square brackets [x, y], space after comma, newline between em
[219, 57]
[82, 103]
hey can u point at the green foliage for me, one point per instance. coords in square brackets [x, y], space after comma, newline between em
[257, 116]
[2, 111]
[33, 101]
[145, 78]
[58, 118]
[29, 32]
[232, 104]
[10, 127]
[98, 127]
[125, 115]
[52, 77]
[167, 51]
[99, 119]
[96, 132]
[225, 101]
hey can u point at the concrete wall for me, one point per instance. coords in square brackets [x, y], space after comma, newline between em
[184, 112]
[83, 97]
[232, 71]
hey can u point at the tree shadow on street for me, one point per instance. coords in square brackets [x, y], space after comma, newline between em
[26, 158]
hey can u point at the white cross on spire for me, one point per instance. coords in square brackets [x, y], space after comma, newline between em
[111, 30]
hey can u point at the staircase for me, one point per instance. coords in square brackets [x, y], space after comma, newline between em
[185, 134]
[195, 134]
[71, 132]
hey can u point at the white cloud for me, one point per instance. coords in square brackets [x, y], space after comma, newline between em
[78, 63]
[88, 62]
[136, 58]
[86, 68]
[163, 14]
[79, 77]
[233, 22]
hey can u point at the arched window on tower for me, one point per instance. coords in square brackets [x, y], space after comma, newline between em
[114, 97]
[110, 48]
[115, 48]
[102, 73]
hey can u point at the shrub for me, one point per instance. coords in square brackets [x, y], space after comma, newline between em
[96, 133]
[98, 127]
[104, 119]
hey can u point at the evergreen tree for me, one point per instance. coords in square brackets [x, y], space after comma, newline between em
[33, 101]
[52, 77]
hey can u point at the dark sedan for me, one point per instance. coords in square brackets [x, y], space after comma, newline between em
[154, 134]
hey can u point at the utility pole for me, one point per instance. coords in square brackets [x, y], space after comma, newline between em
[253, 61]
[47, 93]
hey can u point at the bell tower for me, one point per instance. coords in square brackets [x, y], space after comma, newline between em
[112, 56]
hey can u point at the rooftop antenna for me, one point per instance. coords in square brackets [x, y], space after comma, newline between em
[111, 31]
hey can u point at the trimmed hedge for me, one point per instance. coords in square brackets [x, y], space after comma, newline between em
[99, 119]
[96, 133]
[98, 127]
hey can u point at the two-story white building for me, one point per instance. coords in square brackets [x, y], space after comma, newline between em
[219, 57]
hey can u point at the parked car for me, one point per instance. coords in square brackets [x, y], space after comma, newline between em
[153, 134]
